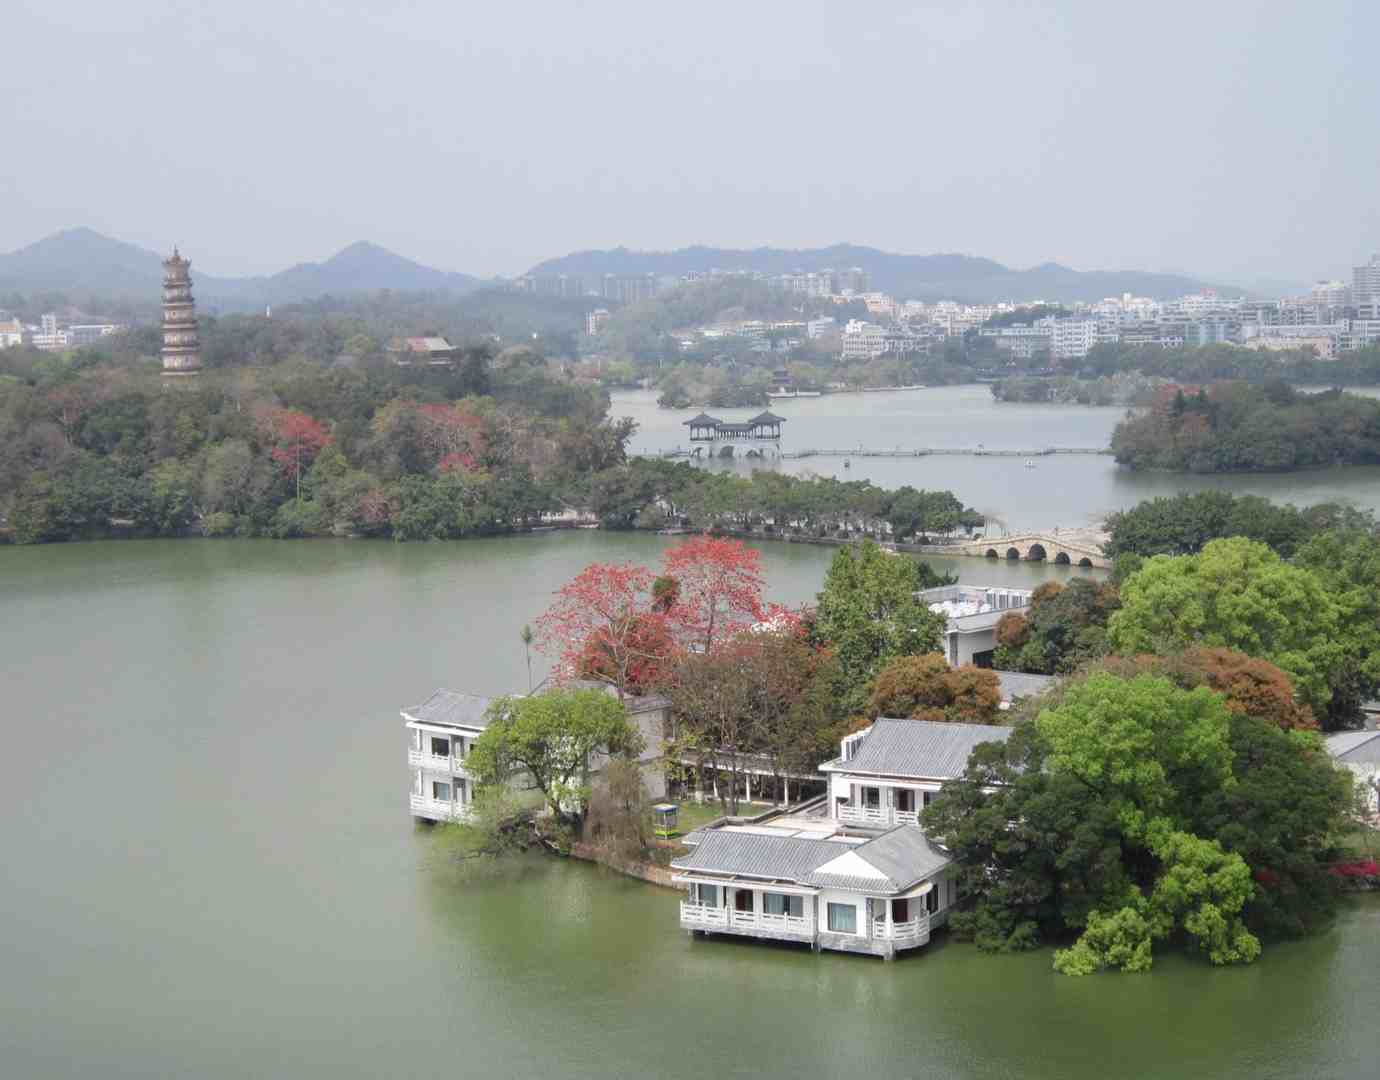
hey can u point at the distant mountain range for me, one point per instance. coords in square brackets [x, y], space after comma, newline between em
[907, 277]
[82, 262]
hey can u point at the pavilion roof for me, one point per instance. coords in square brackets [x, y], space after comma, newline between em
[703, 420]
[767, 417]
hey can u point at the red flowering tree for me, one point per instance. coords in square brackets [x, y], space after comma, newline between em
[603, 626]
[453, 435]
[718, 588]
[297, 438]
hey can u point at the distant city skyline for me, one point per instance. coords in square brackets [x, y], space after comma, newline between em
[1223, 141]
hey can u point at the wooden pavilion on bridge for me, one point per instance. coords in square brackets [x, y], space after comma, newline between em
[764, 427]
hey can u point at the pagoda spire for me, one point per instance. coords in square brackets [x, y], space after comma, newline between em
[181, 341]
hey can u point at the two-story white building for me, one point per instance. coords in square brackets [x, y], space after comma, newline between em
[972, 613]
[440, 732]
[891, 771]
[858, 876]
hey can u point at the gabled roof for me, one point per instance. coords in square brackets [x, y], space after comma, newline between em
[767, 417]
[775, 858]
[703, 420]
[1355, 747]
[923, 748]
[451, 709]
[892, 863]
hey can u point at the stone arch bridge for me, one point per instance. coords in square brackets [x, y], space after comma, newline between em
[1065, 547]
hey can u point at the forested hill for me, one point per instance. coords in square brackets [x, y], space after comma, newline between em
[82, 262]
[909, 277]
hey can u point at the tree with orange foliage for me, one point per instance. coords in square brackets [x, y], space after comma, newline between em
[925, 688]
[1249, 686]
[604, 626]
[718, 590]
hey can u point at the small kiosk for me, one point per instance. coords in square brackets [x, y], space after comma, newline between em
[664, 816]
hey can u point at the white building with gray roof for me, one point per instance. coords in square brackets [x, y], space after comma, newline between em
[889, 772]
[441, 731]
[879, 894]
[1359, 751]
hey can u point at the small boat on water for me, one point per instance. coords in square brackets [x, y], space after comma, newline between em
[847, 464]
[1029, 464]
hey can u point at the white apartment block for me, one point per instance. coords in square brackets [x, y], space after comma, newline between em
[595, 320]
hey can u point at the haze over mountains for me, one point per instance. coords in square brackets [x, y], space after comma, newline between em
[906, 277]
[83, 263]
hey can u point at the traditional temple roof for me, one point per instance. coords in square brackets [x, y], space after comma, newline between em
[703, 420]
[767, 417]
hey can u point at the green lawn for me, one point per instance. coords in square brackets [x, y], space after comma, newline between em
[693, 816]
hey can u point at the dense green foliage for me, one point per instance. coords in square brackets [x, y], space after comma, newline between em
[552, 738]
[1127, 388]
[1238, 427]
[87, 445]
[868, 614]
[1239, 594]
[1181, 524]
[1135, 812]
[1063, 628]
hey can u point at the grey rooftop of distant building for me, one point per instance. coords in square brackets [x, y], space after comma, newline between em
[451, 708]
[902, 857]
[1355, 747]
[934, 750]
[1020, 684]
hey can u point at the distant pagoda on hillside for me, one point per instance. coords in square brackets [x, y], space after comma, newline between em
[181, 342]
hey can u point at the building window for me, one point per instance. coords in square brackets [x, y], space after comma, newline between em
[932, 899]
[781, 904]
[440, 791]
[843, 919]
[905, 799]
[459, 790]
[440, 747]
[900, 911]
[708, 895]
[872, 798]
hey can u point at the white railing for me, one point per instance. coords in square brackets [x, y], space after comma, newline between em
[907, 817]
[702, 915]
[863, 815]
[914, 931]
[752, 920]
[421, 759]
[437, 809]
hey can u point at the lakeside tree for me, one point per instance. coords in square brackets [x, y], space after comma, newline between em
[551, 738]
[868, 613]
[1063, 628]
[1135, 813]
[717, 590]
[604, 626]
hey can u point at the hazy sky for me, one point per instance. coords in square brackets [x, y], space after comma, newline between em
[1218, 137]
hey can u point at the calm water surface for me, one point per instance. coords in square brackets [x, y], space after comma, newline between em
[1064, 490]
[209, 870]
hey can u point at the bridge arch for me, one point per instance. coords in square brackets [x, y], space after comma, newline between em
[991, 553]
[1062, 559]
[1012, 553]
[1035, 553]
[1085, 562]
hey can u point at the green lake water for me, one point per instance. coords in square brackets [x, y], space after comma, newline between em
[209, 870]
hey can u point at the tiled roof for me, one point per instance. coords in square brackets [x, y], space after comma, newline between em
[451, 708]
[728, 851]
[922, 748]
[1355, 747]
[903, 856]
[890, 863]
[1019, 684]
